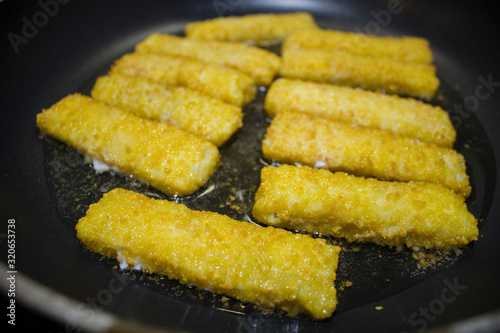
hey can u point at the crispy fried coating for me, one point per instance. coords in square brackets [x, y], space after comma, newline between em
[266, 266]
[343, 68]
[416, 214]
[204, 116]
[260, 64]
[406, 48]
[401, 116]
[295, 137]
[162, 155]
[256, 28]
[217, 81]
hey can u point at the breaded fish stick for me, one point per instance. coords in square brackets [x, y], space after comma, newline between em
[213, 80]
[266, 266]
[295, 137]
[401, 116]
[204, 116]
[409, 49]
[255, 28]
[343, 68]
[260, 64]
[358, 209]
[162, 155]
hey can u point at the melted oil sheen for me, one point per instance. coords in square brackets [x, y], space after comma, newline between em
[372, 272]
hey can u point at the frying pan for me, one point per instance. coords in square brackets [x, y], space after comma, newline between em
[51, 48]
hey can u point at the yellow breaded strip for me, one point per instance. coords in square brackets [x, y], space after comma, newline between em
[343, 68]
[162, 155]
[410, 49]
[360, 209]
[260, 64]
[266, 266]
[295, 137]
[204, 116]
[255, 28]
[213, 80]
[402, 116]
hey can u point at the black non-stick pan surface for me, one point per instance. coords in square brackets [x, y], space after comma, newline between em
[51, 48]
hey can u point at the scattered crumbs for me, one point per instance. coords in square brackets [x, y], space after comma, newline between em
[235, 207]
[430, 258]
[335, 241]
[345, 284]
[356, 249]
[232, 198]
[222, 206]
[467, 145]
[379, 307]
[380, 256]
[224, 299]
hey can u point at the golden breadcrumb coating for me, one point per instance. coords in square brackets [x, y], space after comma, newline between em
[217, 81]
[343, 68]
[255, 28]
[295, 137]
[162, 155]
[266, 266]
[260, 64]
[401, 116]
[204, 116]
[407, 48]
[416, 214]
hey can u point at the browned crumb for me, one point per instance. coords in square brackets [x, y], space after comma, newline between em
[433, 257]
[345, 284]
